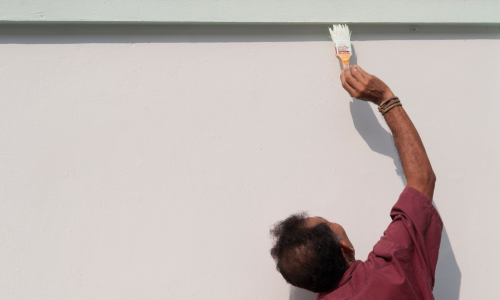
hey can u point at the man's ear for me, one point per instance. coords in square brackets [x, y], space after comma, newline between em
[347, 251]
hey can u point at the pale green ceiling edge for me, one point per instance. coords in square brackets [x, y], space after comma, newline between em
[252, 11]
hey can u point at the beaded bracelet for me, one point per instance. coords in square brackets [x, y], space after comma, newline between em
[381, 109]
[387, 100]
[391, 107]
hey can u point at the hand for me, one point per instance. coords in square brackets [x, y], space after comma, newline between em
[364, 86]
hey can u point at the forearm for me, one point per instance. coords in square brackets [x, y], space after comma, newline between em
[416, 165]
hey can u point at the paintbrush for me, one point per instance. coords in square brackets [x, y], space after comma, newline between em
[341, 37]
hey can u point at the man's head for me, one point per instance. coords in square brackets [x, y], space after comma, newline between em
[311, 253]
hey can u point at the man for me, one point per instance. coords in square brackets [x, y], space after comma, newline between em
[315, 254]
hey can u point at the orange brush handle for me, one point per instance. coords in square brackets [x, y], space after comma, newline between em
[344, 59]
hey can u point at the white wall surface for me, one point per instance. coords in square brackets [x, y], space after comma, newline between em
[150, 162]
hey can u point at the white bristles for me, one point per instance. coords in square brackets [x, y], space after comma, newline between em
[340, 33]
[341, 37]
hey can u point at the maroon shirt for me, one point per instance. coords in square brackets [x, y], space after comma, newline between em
[403, 262]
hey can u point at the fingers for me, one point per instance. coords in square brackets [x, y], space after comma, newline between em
[345, 85]
[349, 78]
[355, 71]
[360, 70]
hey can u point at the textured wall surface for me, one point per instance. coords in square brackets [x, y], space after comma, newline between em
[237, 11]
[150, 162]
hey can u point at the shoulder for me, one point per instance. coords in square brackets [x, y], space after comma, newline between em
[413, 202]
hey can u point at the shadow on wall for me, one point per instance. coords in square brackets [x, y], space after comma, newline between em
[448, 275]
[70, 33]
[301, 294]
[377, 138]
[368, 126]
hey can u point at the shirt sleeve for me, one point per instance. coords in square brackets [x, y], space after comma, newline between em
[416, 229]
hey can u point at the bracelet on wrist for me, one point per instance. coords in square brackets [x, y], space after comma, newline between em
[391, 106]
[386, 101]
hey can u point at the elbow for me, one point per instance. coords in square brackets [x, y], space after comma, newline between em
[426, 179]
[431, 178]
[424, 182]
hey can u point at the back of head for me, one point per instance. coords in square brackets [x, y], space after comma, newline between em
[308, 257]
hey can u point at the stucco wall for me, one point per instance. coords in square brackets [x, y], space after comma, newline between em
[150, 162]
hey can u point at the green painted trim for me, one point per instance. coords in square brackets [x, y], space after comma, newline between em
[253, 11]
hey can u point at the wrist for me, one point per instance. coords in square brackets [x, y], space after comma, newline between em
[386, 95]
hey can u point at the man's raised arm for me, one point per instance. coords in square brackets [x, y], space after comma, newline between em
[416, 165]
